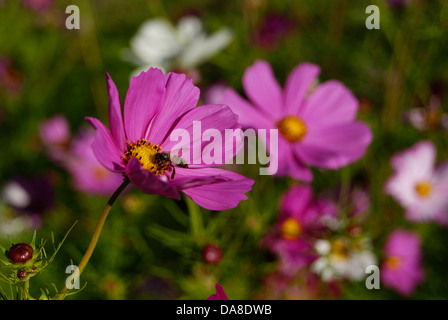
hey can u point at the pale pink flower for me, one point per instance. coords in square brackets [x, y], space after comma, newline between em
[418, 185]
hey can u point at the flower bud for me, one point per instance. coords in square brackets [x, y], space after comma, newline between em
[20, 253]
[22, 273]
[211, 254]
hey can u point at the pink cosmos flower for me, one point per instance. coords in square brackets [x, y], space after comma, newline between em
[219, 295]
[55, 135]
[418, 185]
[137, 144]
[299, 223]
[402, 269]
[88, 175]
[317, 125]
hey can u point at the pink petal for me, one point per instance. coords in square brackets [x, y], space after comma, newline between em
[220, 195]
[330, 103]
[185, 178]
[248, 115]
[104, 147]
[149, 182]
[295, 201]
[218, 117]
[262, 88]
[420, 158]
[219, 295]
[181, 97]
[297, 85]
[290, 164]
[115, 117]
[334, 146]
[145, 97]
[405, 245]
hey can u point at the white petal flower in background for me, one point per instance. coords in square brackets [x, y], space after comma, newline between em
[159, 44]
[343, 258]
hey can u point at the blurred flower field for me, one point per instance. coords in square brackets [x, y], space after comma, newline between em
[362, 177]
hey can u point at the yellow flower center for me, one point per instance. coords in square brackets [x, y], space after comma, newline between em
[339, 249]
[292, 128]
[291, 229]
[423, 189]
[393, 262]
[146, 153]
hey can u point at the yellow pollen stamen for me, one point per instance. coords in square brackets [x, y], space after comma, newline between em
[145, 152]
[393, 262]
[292, 128]
[423, 189]
[339, 249]
[291, 229]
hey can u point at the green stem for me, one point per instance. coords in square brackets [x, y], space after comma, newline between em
[196, 223]
[96, 234]
[26, 289]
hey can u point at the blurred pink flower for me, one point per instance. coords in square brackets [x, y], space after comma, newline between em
[213, 93]
[349, 209]
[155, 106]
[219, 295]
[418, 185]
[299, 222]
[316, 123]
[55, 135]
[37, 5]
[76, 156]
[402, 268]
[88, 175]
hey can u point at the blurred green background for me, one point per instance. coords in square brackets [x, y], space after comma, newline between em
[151, 246]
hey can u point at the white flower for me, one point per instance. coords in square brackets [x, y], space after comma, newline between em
[15, 195]
[343, 259]
[160, 44]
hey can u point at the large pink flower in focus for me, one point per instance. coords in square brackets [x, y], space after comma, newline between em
[155, 106]
[402, 269]
[317, 126]
[418, 185]
[299, 223]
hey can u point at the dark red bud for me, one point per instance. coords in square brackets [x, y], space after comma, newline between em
[21, 273]
[20, 253]
[211, 254]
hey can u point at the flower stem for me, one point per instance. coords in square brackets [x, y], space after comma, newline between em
[96, 234]
[26, 289]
